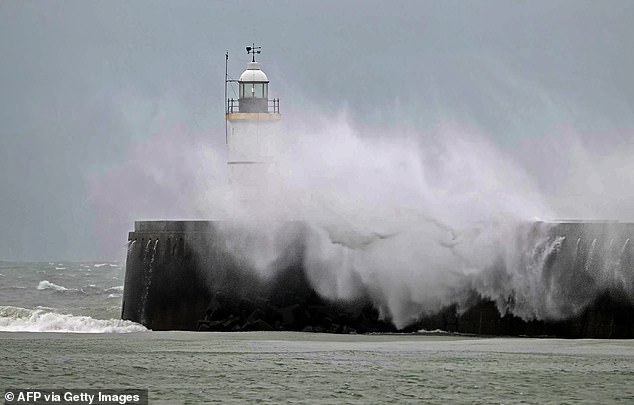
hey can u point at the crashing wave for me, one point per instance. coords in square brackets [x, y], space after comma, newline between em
[16, 319]
[47, 285]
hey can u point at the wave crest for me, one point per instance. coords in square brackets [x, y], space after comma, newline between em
[16, 319]
[47, 285]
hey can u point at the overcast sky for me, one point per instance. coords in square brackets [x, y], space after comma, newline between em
[83, 82]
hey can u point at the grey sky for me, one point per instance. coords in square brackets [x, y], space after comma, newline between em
[82, 82]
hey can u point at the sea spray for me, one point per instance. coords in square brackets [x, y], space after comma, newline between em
[400, 220]
[416, 222]
[417, 228]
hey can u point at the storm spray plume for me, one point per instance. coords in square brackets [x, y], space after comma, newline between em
[412, 222]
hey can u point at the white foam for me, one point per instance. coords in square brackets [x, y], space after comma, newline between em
[47, 285]
[100, 265]
[116, 289]
[434, 332]
[92, 290]
[16, 319]
[115, 295]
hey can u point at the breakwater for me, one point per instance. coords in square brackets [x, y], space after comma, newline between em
[182, 275]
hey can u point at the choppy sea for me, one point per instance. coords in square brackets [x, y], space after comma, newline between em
[60, 328]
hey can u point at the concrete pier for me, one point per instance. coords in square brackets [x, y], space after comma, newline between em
[180, 275]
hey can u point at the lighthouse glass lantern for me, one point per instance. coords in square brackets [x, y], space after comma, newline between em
[254, 90]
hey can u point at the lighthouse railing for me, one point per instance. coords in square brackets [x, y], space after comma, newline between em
[233, 106]
[274, 105]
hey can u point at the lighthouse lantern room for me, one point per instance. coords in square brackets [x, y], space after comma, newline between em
[254, 90]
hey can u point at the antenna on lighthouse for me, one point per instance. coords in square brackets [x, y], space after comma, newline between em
[226, 100]
[252, 50]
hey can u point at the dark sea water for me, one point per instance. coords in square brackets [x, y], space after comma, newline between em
[40, 303]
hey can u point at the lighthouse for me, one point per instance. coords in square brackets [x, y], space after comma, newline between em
[198, 275]
[253, 133]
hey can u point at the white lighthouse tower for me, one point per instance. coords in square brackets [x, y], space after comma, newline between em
[253, 133]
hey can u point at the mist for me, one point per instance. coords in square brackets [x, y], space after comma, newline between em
[414, 220]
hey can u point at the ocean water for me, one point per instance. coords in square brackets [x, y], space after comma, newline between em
[62, 297]
[42, 303]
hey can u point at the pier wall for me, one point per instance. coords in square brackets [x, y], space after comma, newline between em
[180, 275]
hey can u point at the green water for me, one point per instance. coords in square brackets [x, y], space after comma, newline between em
[274, 367]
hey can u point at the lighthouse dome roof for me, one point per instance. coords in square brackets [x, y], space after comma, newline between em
[253, 74]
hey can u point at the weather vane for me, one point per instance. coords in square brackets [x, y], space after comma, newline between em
[252, 50]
